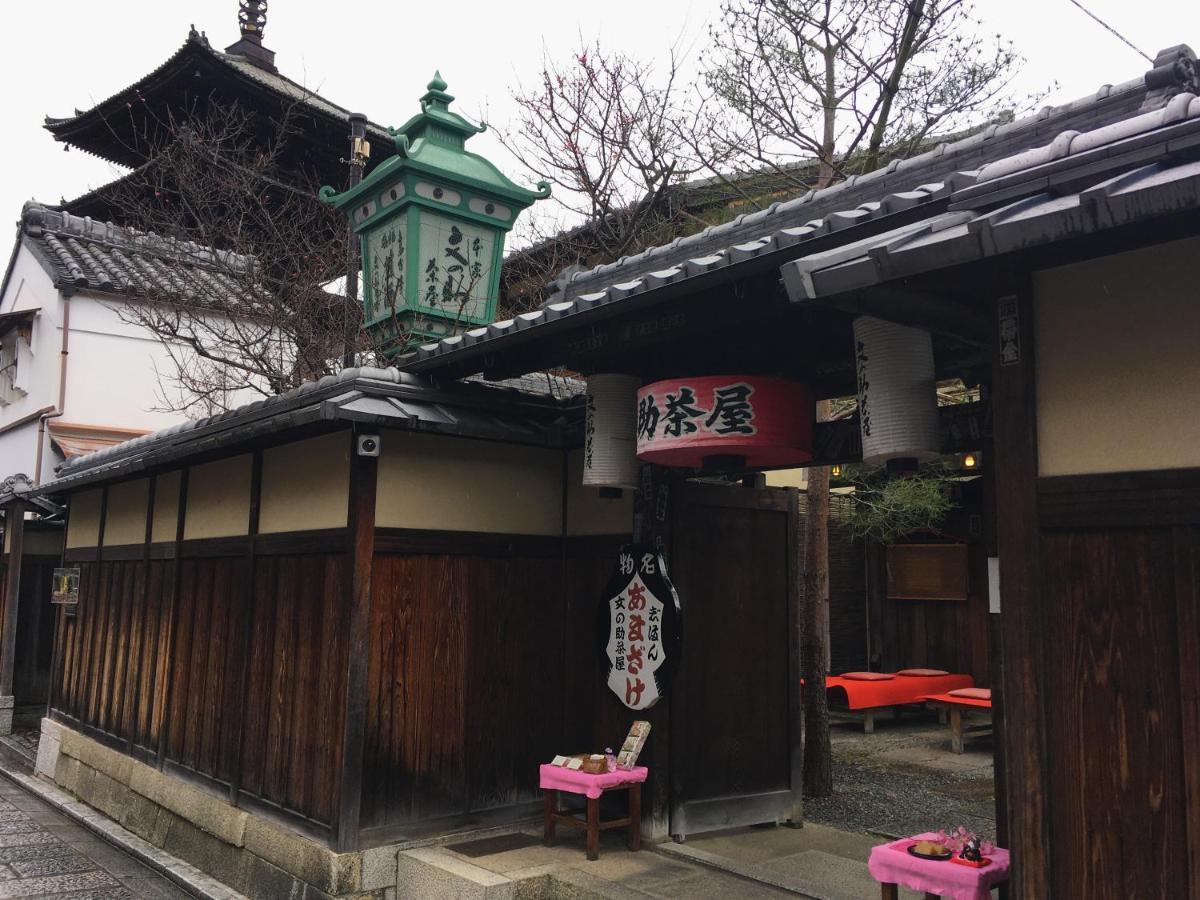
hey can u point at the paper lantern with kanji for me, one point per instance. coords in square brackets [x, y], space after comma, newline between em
[725, 421]
[897, 391]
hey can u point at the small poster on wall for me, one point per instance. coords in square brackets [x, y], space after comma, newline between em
[64, 588]
[639, 628]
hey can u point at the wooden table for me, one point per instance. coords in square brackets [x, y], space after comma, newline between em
[891, 865]
[555, 779]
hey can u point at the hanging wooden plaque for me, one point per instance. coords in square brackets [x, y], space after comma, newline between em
[639, 628]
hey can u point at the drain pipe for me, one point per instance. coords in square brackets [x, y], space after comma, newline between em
[62, 384]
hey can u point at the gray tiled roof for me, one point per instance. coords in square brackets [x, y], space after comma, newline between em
[1162, 96]
[372, 396]
[100, 256]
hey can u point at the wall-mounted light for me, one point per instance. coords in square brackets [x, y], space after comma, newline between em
[836, 471]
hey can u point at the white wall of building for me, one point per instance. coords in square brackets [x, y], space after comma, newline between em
[117, 372]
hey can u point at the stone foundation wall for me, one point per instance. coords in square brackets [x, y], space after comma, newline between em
[245, 851]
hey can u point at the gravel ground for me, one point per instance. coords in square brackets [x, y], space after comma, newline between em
[903, 780]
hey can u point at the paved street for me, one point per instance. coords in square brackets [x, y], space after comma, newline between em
[45, 854]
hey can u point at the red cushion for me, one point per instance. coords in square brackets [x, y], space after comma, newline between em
[923, 673]
[868, 676]
[972, 693]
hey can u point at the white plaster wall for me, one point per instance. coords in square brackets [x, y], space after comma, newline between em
[587, 511]
[83, 519]
[218, 499]
[125, 513]
[166, 507]
[30, 287]
[1118, 362]
[113, 368]
[444, 483]
[305, 485]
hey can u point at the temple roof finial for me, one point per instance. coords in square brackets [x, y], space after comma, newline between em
[252, 17]
[438, 83]
[252, 20]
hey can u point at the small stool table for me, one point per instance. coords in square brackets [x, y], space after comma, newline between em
[556, 778]
[892, 865]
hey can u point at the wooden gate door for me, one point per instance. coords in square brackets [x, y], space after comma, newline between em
[735, 710]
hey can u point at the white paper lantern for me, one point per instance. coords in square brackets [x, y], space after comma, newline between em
[610, 436]
[897, 391]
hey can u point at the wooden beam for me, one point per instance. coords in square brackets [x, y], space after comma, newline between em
[14, 521]
[364, 472]
[164, 666]
[936, 313]
[795, 643]
[1023, 627]
[136, 662]
[250, 599]
[963, 427]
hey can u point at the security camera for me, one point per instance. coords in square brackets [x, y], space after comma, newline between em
[368, 445]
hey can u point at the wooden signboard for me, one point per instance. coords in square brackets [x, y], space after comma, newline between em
[927, 572]
[638, 628]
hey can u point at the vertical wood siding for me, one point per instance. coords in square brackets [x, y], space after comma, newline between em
[131, 667]
[464, 691]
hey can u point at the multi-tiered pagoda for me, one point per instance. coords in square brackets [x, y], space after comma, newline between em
[131, 126]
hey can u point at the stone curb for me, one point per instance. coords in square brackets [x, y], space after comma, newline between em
[732, 867]
[182, 874]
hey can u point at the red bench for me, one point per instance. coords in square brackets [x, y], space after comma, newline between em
[872, 691]
[960, 702]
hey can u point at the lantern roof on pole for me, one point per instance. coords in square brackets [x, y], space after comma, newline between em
[433, 142]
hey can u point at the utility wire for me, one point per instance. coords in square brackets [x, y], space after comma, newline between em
[1124, 40]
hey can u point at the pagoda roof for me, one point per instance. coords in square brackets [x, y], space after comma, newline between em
[115, 129]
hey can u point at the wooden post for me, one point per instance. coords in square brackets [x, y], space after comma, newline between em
[593, 828]
[14, 520]
[795, 659]
[633, 837]
[549, 816]
[136, 662]
[164, 667]
[1022, 627]
[250, 602]
[364, 473]
[654, 508]
[956, 730]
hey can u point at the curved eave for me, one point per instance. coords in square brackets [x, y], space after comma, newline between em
[194, 50]
[395, 167]
[447, 119]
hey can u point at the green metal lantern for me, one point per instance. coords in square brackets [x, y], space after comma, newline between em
[431, 223]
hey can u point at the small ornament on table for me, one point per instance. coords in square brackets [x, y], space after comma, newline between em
[971, 851]
[610, 759]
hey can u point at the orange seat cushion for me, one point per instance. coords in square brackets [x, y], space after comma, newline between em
[923, 673]
[972, 693]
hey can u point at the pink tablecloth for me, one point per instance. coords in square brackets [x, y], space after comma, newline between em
[893, 864]
[559, 779]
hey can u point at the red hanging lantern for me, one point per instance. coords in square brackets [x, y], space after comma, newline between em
[725, 421]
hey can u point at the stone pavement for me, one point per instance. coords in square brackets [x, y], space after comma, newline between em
[45, 854]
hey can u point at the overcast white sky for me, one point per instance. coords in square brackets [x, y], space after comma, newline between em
[72, 53]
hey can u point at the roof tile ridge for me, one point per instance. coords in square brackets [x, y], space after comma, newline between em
[134, 279]
[1177, 108]
[66, 261]
[1104, 94]
[97, 273]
